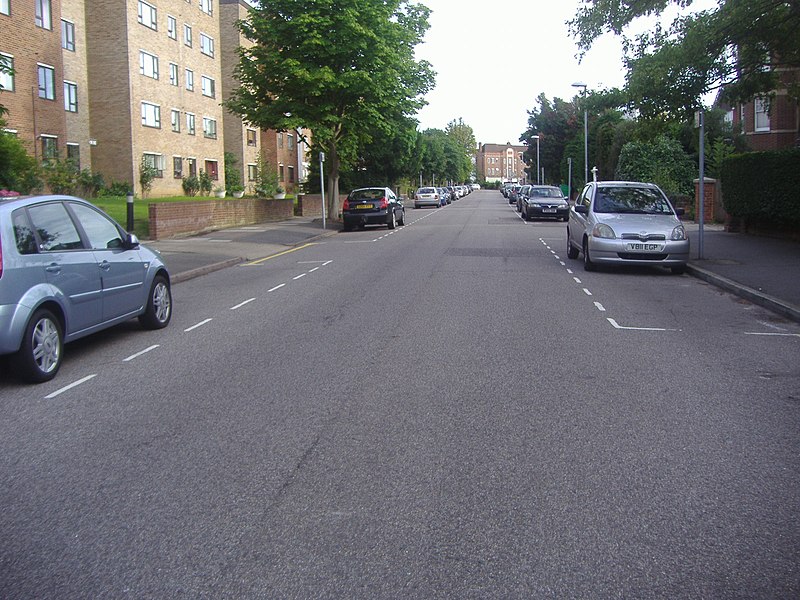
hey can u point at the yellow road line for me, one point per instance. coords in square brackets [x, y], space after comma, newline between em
[261, 260]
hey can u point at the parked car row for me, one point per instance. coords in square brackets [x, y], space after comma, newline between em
[440, 196]
[612, 223]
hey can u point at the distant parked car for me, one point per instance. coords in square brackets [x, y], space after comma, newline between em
[67, 270]
[372, 206]
[512, 193]
[427, 196]
[445, 196]
[625, 222]
[544, 201]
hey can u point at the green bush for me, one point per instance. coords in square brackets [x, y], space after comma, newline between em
[762, 187]
[205, 183]
[661, 161]
[18, 170]
[190, 185]
[115, 188]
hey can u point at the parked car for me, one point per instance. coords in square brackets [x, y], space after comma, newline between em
[445, 196]
[512, 193]
[523, 192]
[544, 201]
[372, 206]
[625, 222]
[68, 270]
[427, 196]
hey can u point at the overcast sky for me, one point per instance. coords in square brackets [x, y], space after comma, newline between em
[494, 58]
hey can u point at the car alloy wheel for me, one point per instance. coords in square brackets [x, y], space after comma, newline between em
[158, 312]
[39, 357]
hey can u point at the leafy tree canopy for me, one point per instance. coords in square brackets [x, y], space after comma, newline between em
[740, 46]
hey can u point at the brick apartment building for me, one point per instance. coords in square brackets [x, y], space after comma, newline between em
[110, 83]
[498, 162]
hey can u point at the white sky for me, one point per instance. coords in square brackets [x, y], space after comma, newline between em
[494, 58]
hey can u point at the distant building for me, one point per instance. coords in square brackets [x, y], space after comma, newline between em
[498, 162]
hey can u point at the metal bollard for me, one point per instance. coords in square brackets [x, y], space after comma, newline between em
[130, 212]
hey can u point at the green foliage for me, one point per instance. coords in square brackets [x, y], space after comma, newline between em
[18, 170]
[205, 183]
[190, 185]
[147, 173]
[662, 161]
[761, 187]
[266, 182]
[233, 176]
[716, 153]
[670, 69]
[115, 189]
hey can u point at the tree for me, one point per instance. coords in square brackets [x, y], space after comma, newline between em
[344, 69]
[739, 47]
[663, 162]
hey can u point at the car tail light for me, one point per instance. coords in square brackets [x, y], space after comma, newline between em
[384, 203]
[346, 205]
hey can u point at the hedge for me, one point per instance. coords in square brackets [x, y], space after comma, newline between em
[763, 187]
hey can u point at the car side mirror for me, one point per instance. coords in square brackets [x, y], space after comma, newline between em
[131, 241]
[582, 209]
[680, 212]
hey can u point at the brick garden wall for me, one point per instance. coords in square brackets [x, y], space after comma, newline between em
[310, 205]
[169, 219]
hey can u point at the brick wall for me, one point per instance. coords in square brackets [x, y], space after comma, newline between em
[310, 205]
[169, 219]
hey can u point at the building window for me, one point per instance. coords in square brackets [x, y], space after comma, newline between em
[207, 45]
[212, 169]
[172, 27]
[5, 7]
[148, 15]
[49, 147]
[251, 137]
[187, 35]
[192, 164]
[148, 64]
[70, 96]
[154, 161]
[190, 123]
[74, 154]
[151, 115]
[280, 173]
[761, 108]
[290, 141]
[68, 35]
[291, 174]
[190, 80]
[177, 167]
[207, 6]
[173, 74]
[43, 14]
[175, 118]
[207, 85]
[280, 140]
[209, 127]
[47, 82]
[252, 172]
[7, 72]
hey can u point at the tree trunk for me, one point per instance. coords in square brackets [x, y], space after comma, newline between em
[334, 207]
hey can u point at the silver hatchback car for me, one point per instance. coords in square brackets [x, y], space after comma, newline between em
[68, 270]
[626, 222]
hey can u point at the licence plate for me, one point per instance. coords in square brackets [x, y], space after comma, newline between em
[548, 210]
[643, 247]
[366, 206]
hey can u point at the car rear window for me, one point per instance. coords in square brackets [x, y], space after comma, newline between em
[371, 194]
[426, 191]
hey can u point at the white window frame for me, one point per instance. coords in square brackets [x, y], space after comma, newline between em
[207, 6]
[208, 86]
[210, 128]
[43, 14]
[148, 15]
[187, 34]
[68, 35]
[148, 64]
[206, 45]
[760, 115]
[155, 160]
[151, 115]
[191, 123]
[47, 140]
[172, 27]
[173, 74]
[252, 171]
[175, 119]
[177, 160]
[7, 79]
[50, 84]
[5, 7]
[70, 96]
[189, 74]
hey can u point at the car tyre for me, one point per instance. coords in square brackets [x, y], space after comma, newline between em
[588, 265]
[158, 311]
[39, 357]
[572, 251]
[392, 221]
[402, 220]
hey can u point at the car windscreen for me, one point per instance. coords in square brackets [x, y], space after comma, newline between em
[634, 200]
[546, 193]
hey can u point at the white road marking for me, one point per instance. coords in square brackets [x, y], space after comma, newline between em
[138, 354]
[314, 269]
[587, 292]
[277, 287]
[200, 324]
[70, 386]
[299, 276]
[241, 304]
[325, 264]
[577, 280]
[618, 326]
[772, 334]
[600, 307]
[570, 271]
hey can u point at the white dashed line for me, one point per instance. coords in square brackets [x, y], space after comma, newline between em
[138, 354]
[70, 386]
[587, 292]
[200, 324]
[577, 280]
[600, 307]
[618, 326]
[314, 269]
[774, 334]
[241, 304]
[277, 287]
[299, 276]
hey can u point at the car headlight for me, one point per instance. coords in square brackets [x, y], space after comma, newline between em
[601, 230]
[679, 233]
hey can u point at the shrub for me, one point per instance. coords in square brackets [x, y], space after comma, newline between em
[190, 185]
[761, 187]
[266, 182]
[205, 183]
[115, 188]
[662, 161]
[233, 176]
[18, 170]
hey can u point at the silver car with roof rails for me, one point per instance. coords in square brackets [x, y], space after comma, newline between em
[68, 270]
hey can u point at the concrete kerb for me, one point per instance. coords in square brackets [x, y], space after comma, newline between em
[772, 303]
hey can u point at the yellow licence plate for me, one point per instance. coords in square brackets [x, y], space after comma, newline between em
[367, 206]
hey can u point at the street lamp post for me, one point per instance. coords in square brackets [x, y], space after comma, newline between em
[538, 170]
[579, 84]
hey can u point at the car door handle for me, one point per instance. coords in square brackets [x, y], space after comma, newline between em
[105, 265]
[53, 268]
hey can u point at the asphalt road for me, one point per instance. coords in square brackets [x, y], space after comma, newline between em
[450, 410]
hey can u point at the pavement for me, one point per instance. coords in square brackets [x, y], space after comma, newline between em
[764, 271]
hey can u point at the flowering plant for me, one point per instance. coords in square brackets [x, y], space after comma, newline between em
[8, 194]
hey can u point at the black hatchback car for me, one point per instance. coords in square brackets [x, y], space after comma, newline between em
[372, 206]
